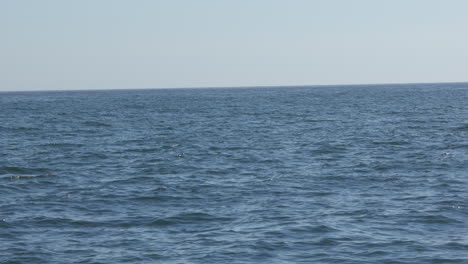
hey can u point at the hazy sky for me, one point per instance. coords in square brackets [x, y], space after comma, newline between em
[100, 44]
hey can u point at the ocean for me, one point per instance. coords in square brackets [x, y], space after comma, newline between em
[321, 174]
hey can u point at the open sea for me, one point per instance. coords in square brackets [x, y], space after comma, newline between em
[325, 174]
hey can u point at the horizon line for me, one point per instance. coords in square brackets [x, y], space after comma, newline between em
[230, 87]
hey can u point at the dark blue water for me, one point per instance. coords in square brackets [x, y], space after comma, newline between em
[355, 174]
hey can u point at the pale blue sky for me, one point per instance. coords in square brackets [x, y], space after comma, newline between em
[103, 44]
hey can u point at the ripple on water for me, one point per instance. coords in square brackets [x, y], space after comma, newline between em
[23, 170]
[193, 218]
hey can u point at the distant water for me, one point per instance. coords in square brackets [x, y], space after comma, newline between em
[351, 174]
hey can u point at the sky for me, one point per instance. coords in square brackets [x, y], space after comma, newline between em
[114, 44]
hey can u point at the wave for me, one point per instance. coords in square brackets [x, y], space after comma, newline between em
[96, 124]
[24, 171]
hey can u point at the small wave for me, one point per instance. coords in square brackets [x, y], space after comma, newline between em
[190, 218]
[317, 120]
[142, 150]
[96, 124]
[436, 219]
[374, 253]
[411, 198]
[22, 170]
[390, 143]
[457, 245]
[43, 221]
[62, 144]
[159, 198]
[19, 129]
[331, 150]
[217, 172]
[20, 177]
[460, 146]
[446, 260]
[161, 222]
[94, 155]
[328, 241]
[24, 259]
[320, 193]
[134, 180]
[313, 229]
[463, 127]
[187, 218]
[171, 146]
[4, 223]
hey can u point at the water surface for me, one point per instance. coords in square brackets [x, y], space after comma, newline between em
[336, 174]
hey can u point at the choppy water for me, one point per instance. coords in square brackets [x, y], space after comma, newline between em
[357, 174]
